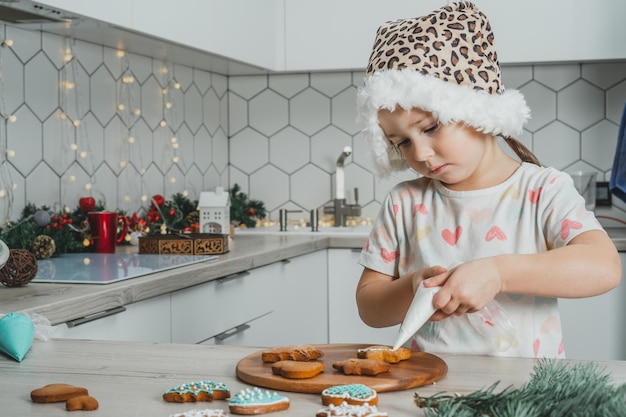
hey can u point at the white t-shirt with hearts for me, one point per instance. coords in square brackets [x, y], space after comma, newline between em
[422, 223]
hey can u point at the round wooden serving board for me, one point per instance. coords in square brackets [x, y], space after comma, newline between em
[421, 369]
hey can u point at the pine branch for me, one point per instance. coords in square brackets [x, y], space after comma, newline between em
[555, 389]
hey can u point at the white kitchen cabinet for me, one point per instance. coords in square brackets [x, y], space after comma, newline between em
[297, 289]
[345, 325]
[144, 321]
[327, 35]
[203, 311]
[593, 328]
[281, 303]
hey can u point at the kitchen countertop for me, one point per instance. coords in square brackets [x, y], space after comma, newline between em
[128, 378]
[60, 302]
[63, 302]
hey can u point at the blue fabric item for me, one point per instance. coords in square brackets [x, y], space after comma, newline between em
[617, 182]
[17, 333]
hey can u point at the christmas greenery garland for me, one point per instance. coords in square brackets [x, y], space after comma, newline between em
[555, 389]
[47, 233]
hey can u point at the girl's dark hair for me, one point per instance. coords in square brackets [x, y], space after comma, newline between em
[521, 151]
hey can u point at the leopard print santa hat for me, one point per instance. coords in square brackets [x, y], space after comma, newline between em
[444, 63]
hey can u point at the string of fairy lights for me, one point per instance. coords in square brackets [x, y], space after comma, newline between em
[73, 107]
[7, 185]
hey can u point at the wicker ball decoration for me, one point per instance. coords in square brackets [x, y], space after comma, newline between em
[20, 269]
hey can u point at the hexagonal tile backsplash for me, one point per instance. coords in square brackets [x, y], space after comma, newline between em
[83, 119]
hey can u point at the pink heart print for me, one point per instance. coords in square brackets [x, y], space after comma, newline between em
[533, 195]
[388, 256]
[452, 237]
[495, 233]
[419, 208]
[567, 225]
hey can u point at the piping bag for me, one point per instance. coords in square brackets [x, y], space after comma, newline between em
[419, 312]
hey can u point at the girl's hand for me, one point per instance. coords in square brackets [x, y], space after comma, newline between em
[426, 274]
[466, 288]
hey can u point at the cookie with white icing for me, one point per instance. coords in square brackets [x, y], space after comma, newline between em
[197, 391]
[349, 410]
[384, 353]
[354, 394]
[256, 401]
[202, 413]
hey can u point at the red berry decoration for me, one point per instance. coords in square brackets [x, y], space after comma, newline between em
[86, 204]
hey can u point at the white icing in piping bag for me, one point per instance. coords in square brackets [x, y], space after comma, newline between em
[419, 312]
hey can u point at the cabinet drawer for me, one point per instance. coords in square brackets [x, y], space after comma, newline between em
[144, 321]
[201, 312]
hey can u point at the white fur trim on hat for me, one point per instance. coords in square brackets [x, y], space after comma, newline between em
[500, 114]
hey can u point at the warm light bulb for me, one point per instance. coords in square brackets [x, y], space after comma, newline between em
[12, 118]
[83, 154]
[164, 91]
[163, 123]
[173, 139]
[175, 159]
[164, 70]
[172, 180]
[62, 115]
[8, 42]
[128, 79]
[76, 123]
[177, 86]
[88, 186]
[67, 57]
[175, 145]
[74, 147]
[127, 198]
[144, 198]
[10, 153]
[121, 107]
[185, 193]
[120, 53]
[142, 171]
[13, 187]
[3, 193]
[168, 105]
[123, 164]
[137, 112]
[131, 139]
[72, 178]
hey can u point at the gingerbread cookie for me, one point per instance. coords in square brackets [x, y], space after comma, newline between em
[297, 369]
[197, 391]
[256, 401]
[201, 413]
[291, 353]
[54, 393]
[353, 394]
[349, 410]
[384, 353]
[355, 366]
[82, 402]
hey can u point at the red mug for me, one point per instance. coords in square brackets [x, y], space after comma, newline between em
[104, 230]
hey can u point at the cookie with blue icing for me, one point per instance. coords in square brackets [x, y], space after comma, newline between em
[256, 401]
[354, 394]
[197, 391]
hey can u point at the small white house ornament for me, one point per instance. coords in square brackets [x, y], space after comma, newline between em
[214, 209]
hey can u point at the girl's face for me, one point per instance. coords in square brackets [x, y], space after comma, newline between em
[457, 155]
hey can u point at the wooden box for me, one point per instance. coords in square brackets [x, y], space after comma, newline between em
[184, 244]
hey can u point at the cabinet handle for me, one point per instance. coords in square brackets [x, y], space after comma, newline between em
[231, 332]
[232, 277]
[95, 316]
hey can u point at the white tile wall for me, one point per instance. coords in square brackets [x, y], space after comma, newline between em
[278, 136]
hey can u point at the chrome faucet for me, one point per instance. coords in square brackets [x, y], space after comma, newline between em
[340, 209]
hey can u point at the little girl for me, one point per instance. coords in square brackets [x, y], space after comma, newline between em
[478, 223]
